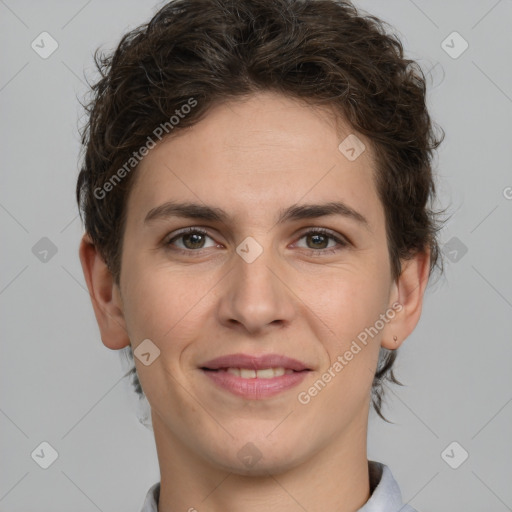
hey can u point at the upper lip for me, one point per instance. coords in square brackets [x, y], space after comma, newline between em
[254, 362]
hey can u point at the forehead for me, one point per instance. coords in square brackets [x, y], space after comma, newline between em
[265, 150]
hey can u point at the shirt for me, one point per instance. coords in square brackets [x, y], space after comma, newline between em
[385, 493]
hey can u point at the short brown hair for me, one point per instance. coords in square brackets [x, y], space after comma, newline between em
[324, 52]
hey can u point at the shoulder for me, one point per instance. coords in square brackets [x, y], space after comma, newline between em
[385, 492]
[151, 500]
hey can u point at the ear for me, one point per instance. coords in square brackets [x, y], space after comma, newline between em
[105, 296]
[407, 300]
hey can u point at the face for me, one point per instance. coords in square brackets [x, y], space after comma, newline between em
[253, 276]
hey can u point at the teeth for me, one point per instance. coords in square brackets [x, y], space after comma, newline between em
[247, 374]
[266, 373]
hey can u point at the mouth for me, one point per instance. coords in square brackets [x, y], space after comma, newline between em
[249, 373]
[255, 377]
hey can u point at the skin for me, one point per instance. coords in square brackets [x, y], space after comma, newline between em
[299, 298]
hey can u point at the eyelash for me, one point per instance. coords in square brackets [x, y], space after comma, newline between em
[312, 252]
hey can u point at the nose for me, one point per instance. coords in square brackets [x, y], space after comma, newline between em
[256, 296]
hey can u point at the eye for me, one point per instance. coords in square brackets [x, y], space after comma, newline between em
[191, 239]
[318, 241]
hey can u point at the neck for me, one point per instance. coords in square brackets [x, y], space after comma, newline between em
[334, 478]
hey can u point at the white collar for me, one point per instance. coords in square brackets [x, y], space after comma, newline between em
[385, 493]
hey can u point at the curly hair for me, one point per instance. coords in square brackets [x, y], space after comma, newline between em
[323, 52]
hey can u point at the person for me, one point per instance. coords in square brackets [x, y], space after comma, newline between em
[257, 195]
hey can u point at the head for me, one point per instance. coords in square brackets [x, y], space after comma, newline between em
[247, 113]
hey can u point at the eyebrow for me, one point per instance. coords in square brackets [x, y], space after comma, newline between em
[295, 212]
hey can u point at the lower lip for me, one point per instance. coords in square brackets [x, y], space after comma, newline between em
[255, 389]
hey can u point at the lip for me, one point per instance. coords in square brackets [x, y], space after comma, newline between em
[254, 389]
[255, 362]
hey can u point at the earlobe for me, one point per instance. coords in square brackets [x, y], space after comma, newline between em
[104, 296]
[408, 292]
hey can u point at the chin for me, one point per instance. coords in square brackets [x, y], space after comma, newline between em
[263, 467]
[258, 458]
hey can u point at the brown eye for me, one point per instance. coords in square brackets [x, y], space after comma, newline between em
[191, 239]
[318, 240]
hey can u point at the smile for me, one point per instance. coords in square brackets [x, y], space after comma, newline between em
[255, 377]
[266, 373]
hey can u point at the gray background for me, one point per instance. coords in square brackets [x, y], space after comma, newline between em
[58, 382]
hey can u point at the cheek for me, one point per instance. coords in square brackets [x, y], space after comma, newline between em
[163, 305]
[352, 306]
[164, 309]
[348, 300]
